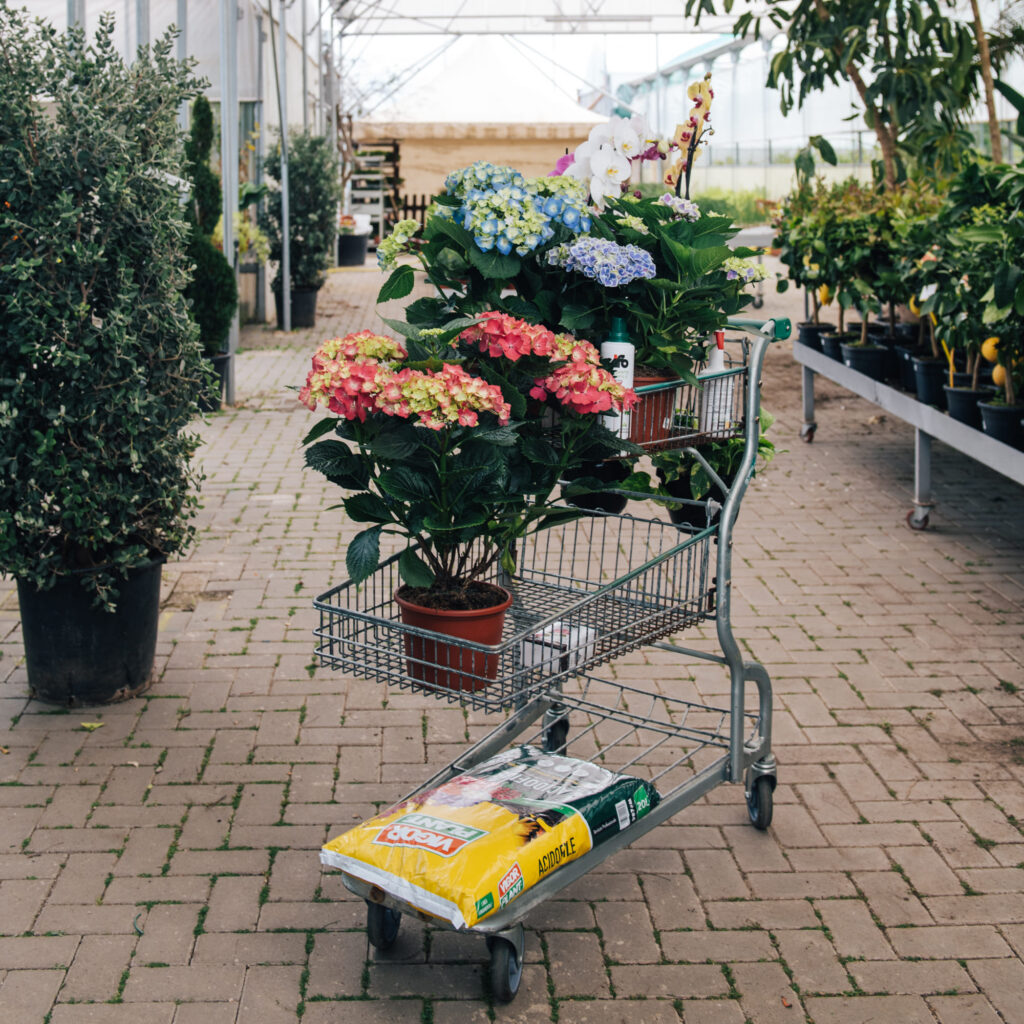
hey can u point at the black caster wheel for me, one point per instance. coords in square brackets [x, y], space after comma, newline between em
[759, 801]
[758, 302]
[807, 434]
[382, 924]
[506, 969]
[555, 736]
[917, 520]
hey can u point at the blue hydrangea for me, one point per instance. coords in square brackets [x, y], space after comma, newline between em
[606, 262]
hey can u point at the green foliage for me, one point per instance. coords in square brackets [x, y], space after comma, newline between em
[913, 64]
[212, 290]
[205, 208]
[100, 366]
[313, 194]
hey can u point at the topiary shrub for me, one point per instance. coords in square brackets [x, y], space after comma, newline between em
[213, 290]
[313, 194]
[100, 366]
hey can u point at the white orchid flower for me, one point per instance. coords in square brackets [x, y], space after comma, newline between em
[601, 133]
[609, 169]
[626, 140]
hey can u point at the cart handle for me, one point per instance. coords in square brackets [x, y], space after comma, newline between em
[778, 329]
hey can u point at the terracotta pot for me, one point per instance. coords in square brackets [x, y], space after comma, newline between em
[651, 418]
[453, 666]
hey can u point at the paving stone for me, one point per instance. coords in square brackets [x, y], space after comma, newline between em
[117, 1013]
[963, 941]
[928, 873]
[168, 934]
[364, 1011]
[199, 984]
[205, 1013]
[1000, 980]
[577, 964]
[604, 1011]
[868, 1009]
[38, 951]
[972, 1009]
[234, 904]
[668, 980]
[719, 946]
[21, 899]
[914, 978]
[28, 994]
[95, 973]
[812, 959]
[270, 995]
[762, 914]
[627, 933]
[765, 993]
[241, 948]
[336, 965]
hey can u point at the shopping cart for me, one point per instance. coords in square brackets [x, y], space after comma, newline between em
[605, 585]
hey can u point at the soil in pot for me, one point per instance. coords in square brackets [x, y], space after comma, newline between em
[867, 359]
[77, 654]
[449, 664]
[1003, 422]
[930, 375]
[962, 403]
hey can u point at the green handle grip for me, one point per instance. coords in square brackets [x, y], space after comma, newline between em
[781, 326]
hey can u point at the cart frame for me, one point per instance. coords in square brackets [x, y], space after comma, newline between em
[540, 709]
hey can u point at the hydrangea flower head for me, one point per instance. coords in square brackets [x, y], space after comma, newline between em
[608, 262]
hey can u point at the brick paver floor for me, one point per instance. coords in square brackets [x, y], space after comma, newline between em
[163, 868]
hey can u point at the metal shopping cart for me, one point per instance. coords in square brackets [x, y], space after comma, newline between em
[605, 585]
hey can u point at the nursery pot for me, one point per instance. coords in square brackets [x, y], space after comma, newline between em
[1003, 422]
[651, 418]
[77, 654]
[211, 401]
[905, 359]
[830, 344]
[448, 664]
[866, 359]
[303, 307]
[612, 472]
[352, 250]
[962, 403]
[809, 333]
[930, 374]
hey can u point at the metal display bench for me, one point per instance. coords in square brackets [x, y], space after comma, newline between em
[928, 423]
[612, 584]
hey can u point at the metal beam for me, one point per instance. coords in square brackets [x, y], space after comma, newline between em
[229, 158]
[282, 100]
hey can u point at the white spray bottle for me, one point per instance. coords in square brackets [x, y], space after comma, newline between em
[716, 392]
[621, 353]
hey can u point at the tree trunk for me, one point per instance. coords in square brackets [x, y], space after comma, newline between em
[986, 76]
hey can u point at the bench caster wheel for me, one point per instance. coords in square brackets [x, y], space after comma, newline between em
[555, 736]
[917, 519]
[807, 432]
[506, 970]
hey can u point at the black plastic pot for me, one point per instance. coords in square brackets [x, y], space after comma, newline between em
[867, 359]
[930, 375]
[830, 344]
[696, 516]
[211, 402]
[77, 654]
[612, 473]
[352, 250]
[1003, 422]
[809, 333]
[905, 360]
[303, 308]
[962, 403]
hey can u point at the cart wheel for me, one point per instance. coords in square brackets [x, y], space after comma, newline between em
[916, 520]
[758, 302]
[807, 433]
[759, 802]
[555, 736]
[382, 924]
[506, 969]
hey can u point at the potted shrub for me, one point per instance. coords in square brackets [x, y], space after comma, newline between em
[353, 239]
[101, 364]
[212, 290]
[454, 441]
[313, 193]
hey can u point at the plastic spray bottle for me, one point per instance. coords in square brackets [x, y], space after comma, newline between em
[621, 353]
[716, 392]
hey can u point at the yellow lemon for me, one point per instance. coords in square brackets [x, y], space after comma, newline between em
[914, 307]
[999, 376]
[990, 348]
[824, 295]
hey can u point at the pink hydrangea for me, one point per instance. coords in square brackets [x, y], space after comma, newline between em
[348, 372]
[585, 389]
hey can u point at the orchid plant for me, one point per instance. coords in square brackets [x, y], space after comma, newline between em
[447, 439]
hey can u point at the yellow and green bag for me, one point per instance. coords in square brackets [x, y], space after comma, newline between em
[476, 843]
